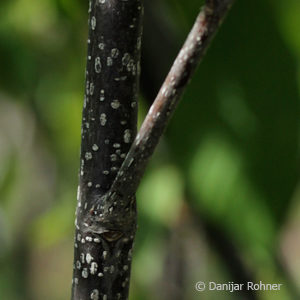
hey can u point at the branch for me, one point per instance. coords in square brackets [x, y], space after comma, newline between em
[193, 50]
[103, 240]
[106, 211]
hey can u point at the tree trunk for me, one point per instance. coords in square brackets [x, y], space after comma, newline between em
[109, 172]
[105, 232]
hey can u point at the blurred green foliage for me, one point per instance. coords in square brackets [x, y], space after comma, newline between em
[230, 156]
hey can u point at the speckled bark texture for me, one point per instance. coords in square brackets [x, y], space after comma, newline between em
[105, 230]
[206, 25]
[112, 158]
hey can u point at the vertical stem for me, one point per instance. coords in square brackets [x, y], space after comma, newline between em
[105, 232]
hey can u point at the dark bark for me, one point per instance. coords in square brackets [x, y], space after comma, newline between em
[106, 211]
[105, 232]
[207, 23]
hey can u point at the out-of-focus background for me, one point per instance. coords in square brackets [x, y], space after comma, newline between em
[220, 199]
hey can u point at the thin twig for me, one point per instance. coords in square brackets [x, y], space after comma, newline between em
[200, 37]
